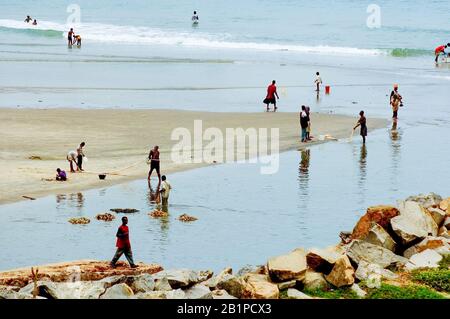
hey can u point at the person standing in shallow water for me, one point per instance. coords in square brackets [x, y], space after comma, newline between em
[123, 245]
[396, 101]
[362, 122]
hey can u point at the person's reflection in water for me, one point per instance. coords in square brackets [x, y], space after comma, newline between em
[151, 194]
[303, 175]
[80, 200]
[363, 164]
[60, 198]
[396, 137]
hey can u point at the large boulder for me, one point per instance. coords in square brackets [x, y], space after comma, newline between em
[287, 267]
[426, 259]
[380, 215]
[259, 287]
[141, 283]
[360, 251]
[378, 236]
[426, 200]
[438, 244]
[221, 294]
[198, 291]
[437, 214]
[296, 294]
[162, 284]
[445, 205]
[322, 260]
[414, 222]
[120, 291]
[314, 280]
[342, 273]
[233, 285]
[179, 278]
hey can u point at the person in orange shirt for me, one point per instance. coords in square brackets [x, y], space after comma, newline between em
[440, 50]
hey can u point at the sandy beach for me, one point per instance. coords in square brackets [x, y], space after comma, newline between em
[34, 142]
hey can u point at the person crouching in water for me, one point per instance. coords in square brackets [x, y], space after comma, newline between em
[78, 40]
[362, 122]
[61, 175]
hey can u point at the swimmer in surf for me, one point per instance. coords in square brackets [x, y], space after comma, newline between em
[195, 17]
[70, 36]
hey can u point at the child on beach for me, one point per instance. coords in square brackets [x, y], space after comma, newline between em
[318, 81]
[61, 175]
[362, 122]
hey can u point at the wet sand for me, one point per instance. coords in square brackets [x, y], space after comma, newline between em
[34, 142]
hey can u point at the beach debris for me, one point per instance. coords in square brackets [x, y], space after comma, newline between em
[158, 213]
[124, 210]
[107, 217]
[327, 137]
[187, 218]
[79, 221]
[47, 179]
[28, 197]
[35, 157]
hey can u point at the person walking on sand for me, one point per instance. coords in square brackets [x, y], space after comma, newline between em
[318, 81]
[270, 97]
[123, 245]
[80, 155]
[304, 119]
[396, 101]
[61, 175]
[72, 158]
[363, 123]
[165, 191]
[153, 158]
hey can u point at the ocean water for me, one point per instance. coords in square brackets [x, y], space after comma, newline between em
[138, 54]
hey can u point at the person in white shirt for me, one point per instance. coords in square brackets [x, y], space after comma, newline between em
[165, 191]
[72, 158]
[318, 81]
[195, 17]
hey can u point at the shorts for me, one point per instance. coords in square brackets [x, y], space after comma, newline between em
[269, 100]
[154, 165]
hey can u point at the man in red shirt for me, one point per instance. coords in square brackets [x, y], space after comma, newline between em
[440, 50]
[123, 245]
[270, 98]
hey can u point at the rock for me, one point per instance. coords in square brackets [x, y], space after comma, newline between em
[358, 291]
[342, 273]
[120, 291]
[437, 214]
[198, 291]
[445, 205]
[233, 285]
[380, 215]
[322, 260]
[314, 280]
[367, 271]
[360, 251]
[413, 222]
[151, 295]
[443, 232]
[258, 287]
[221, 294]
[378, 236]
[296, 294]
[446, 223]
[175, 294]
[179, 278]
[438, 244]
[287, 267]
[162, 284]
[88, 270]
[346, 237]
[142, 283]
[250, 269]
[426, 259]
[204, 275]
[214, 280]
[426, 201]
[287, 284]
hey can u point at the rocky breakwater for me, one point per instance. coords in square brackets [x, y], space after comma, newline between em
[388, 249]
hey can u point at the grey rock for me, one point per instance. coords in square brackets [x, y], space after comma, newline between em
[378, 236]
[119, 291]
[437, 214]
[426, 200]
[358, 291]
[314, 280]
[179, 278]
[221, 294]
[162, 284]
[176, 294]
[438, 244]
[288, 267]
[142, 283]
[151, 295]
[233, 285]
[366, 270]
[296, 294]
[426, 259]
[287, 284]
[360, 251]
[198, 291]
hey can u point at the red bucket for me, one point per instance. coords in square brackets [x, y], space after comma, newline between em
[327, 89]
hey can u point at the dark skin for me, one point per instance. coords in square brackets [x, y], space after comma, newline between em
[154, 156]
[358, 124]
[124, 223]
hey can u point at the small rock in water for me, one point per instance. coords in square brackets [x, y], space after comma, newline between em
[124, 210]
[79, 221]
[158, 213]
[187, 218]
[107, 217]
